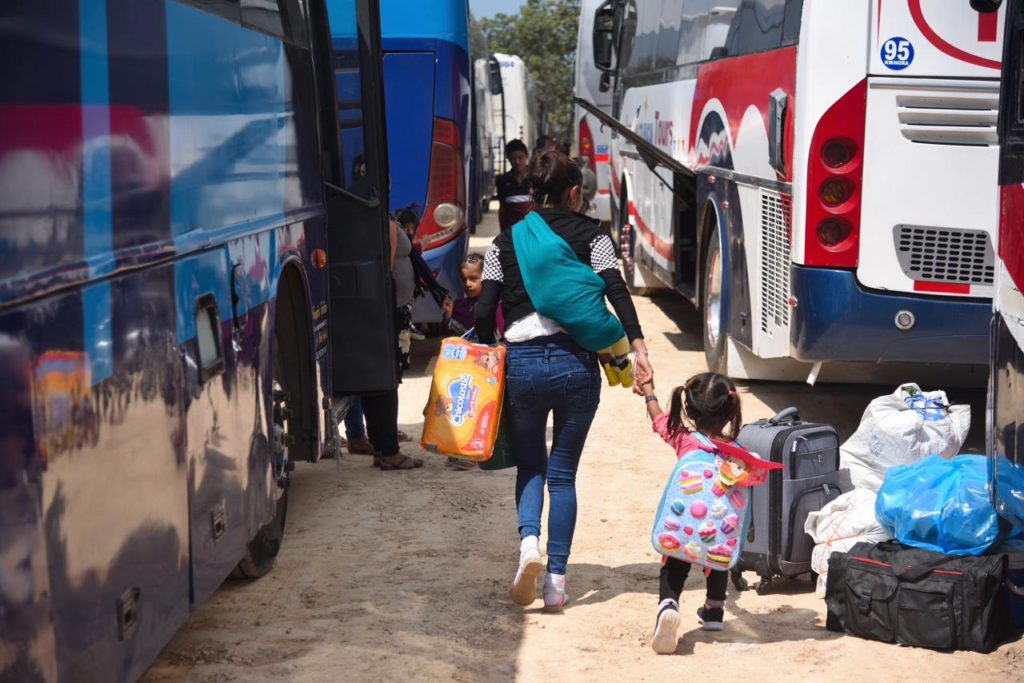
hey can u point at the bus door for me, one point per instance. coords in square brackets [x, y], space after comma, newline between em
[930, 161]
[362, 333]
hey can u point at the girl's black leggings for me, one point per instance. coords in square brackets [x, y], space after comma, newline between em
[673, 576]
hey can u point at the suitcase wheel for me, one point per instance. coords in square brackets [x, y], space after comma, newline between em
[739, 581]
[763, 586]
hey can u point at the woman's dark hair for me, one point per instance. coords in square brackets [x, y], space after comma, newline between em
[516, 146]
[552, 174]
[472, 260]
[407, 215]
[710, 403]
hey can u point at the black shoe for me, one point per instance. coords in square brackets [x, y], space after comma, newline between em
[711, 618]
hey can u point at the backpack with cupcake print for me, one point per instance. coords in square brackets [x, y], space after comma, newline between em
[702, 516]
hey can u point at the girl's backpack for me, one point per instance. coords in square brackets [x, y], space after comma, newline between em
[703, 512]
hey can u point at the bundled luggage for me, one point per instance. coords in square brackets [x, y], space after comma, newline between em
[896, 594]
[902, 428]
[840, 525]
[940, 505]
[775, 543]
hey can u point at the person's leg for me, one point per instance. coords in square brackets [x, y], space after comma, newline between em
[575, 380]
[355, 431]
[712, 614]
[354, 427]
[673, 578]
[526, 422]
[666, 625]
[382, 424]
[575, 386]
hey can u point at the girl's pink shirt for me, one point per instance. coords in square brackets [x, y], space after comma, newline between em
[683, 441]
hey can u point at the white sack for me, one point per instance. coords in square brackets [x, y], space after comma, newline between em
[837, 527]
[892, 433]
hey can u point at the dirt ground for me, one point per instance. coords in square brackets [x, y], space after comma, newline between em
[398, 576]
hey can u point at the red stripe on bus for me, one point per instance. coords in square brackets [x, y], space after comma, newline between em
[941, 287]
[988, 27]
[1011, 238]
[603, 190]
[659, 245]
[729, 82]
[601, 158]
[935, 39]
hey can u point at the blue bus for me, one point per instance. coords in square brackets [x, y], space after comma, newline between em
[184, 274]
[428, 96]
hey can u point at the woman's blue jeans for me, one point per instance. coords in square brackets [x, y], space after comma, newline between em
[550, 375]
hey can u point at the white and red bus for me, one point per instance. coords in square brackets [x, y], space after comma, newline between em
[1006, 399]
[594, 85]
[818, 177]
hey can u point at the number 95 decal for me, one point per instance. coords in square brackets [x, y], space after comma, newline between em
[897, 53]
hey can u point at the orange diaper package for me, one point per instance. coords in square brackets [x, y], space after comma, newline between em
[464, 408]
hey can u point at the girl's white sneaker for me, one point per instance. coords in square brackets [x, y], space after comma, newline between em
[554, 592]
[666, 628]
[524, 586]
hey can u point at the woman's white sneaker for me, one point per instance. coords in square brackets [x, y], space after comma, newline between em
[524, 587]
[554, 592]
[666, 627]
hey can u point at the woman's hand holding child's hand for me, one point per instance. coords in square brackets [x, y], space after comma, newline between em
[449, 306]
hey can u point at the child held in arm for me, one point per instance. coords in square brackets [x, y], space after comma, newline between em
[707, 497]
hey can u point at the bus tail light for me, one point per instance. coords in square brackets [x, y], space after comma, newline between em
[586, 149]
[835, 178]
[445, 214]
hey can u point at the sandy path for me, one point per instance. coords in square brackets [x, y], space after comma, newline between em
[404, 576]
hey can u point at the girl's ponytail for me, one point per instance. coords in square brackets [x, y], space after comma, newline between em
[676, 410]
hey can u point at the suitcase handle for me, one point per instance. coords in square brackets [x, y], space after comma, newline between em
[790, 414]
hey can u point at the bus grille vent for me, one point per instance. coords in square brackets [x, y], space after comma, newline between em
[941, 255]
[963, 116]
[776, 215]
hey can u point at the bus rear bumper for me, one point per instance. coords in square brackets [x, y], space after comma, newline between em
[837, 320]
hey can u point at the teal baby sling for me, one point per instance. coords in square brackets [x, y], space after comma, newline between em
[563, 288]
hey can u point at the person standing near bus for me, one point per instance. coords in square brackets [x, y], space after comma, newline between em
[549, 372]
[514, 192]
[381, 408]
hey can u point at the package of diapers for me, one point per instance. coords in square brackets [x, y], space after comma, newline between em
[464, 408]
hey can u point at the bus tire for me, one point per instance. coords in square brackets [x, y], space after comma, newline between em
[262, 550]
[713, 291]
[288, 389]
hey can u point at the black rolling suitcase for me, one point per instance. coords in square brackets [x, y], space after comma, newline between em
[776, 544]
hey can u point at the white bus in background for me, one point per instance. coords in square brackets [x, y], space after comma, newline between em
[484, 168]
[515, 109]
[818, 177]
[594, 85]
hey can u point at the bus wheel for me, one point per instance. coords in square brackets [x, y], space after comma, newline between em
[266, 544]
[715, 332]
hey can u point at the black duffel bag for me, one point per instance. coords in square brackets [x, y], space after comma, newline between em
[898, 594]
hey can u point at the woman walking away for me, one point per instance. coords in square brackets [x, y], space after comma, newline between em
[548, 372]
[514, 186]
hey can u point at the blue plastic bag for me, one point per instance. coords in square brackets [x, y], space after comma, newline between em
[939, 505]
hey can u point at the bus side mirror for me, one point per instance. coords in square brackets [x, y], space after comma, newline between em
[986, 6]
[604, 35]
